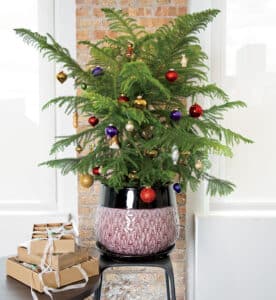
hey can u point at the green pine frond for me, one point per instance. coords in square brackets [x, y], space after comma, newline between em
[209, 90]
[136, 75]
[215, 112]
[121, 23]
[218, 186]
[211, 129]
[54, 52]
[66, 165]
[82, 138]
[69, 102]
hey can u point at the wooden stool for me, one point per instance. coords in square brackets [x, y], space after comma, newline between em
[163, 262]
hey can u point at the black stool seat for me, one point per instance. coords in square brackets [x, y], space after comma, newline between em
[164, 262]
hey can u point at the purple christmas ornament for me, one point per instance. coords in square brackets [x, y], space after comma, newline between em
[176, 115]
[177, 187]
[111, 130]
[97, 71]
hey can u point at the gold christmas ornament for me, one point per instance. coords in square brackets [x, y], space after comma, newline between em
[132, 175]
[61, 77]
[198, 164]
[75, 119]
[147, 132]
[184, 61]
[129, 126]
[140, 102]
[86, 180]
[152, 153]
[79, 148]
[114, 143]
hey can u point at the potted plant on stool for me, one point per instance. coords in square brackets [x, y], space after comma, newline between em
[146, 142]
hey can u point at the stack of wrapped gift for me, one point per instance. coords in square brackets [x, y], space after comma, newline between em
[52, 259]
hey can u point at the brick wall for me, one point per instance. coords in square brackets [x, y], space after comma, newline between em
[128, 283]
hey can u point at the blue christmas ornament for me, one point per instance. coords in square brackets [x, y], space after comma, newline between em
[176, 115]
[111, 131]
[97, 71]
[177, 187]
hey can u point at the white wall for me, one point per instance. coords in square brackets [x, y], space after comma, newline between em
[235, 258]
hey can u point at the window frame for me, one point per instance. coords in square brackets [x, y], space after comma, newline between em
[59, 16]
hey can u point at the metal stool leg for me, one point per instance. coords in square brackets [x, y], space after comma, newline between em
[171, 277]
[97, 294]
[167, 285]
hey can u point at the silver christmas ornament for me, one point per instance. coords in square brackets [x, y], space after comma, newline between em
[175, 154]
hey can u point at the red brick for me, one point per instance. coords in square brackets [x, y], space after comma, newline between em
[162, 11]
[97, 12]
[82, 35]
[82, 12]
[182, 10]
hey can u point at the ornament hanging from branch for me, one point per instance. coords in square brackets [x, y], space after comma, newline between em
[130, 50]
[79, 148]
[129, 126]
[147, 194]
[86, 180]
[176, 115]
[184, 61]
[75, 119]
[93, 121]
[97, 71]
[61, 77]
[175, 154]
[171, 75]
[114, 143]
[111, 131]
[123, 98]
[140, 102]
[196, 111]
[177, 187]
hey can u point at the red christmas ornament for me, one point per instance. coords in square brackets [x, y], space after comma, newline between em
[196, 111]
[96, 171]
[147, 195]
[123, 98]
[93, 121]
[171, 75]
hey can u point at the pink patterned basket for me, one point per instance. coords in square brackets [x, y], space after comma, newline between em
[142, 231]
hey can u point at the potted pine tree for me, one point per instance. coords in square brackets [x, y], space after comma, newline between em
[146, 142]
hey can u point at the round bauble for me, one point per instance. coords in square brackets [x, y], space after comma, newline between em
[79, 148]
[176, 115]
[147, 132]
[84, 86]
[86, 180]
[171, 75]
[97, 71]
[198, 164]
[123, 98]
[61, 77]
[129, 126]
[147, 195]
[96, 171]
[177, 187]
[132, 175]
[139, 102]
[195, 111]
[93, 121]
[111, 131]
[151, 153]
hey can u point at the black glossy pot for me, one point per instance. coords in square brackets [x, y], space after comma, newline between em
[128, 226]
